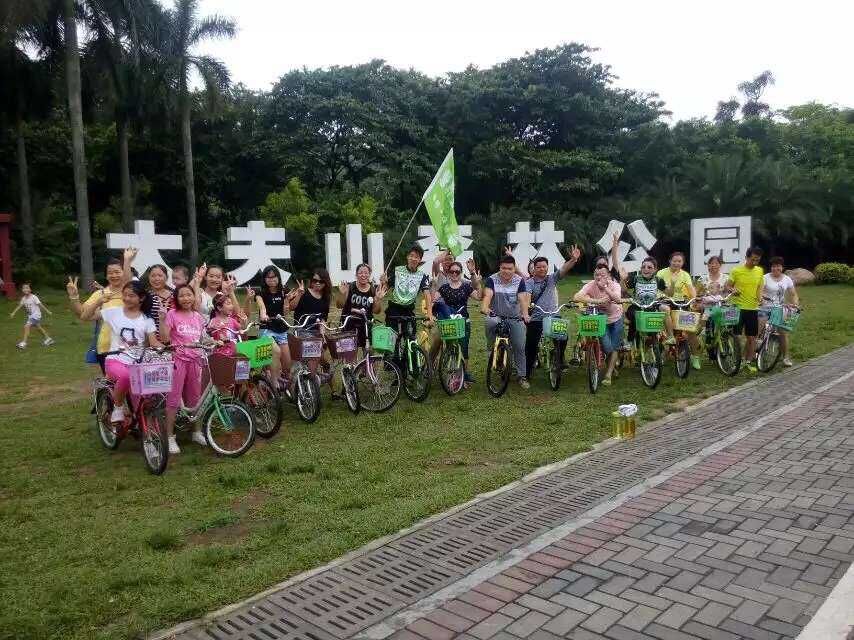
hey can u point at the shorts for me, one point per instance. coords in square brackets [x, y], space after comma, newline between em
[613, 338]
[749, 323]
[764, 313]
[278, 337]
[33, 322]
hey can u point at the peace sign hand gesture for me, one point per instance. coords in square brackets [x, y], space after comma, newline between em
[343, 287]
[71, 287]
[301, 287]
[472, 267]
[575, 252]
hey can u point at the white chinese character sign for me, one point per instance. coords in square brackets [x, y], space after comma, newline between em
[630, 257]
[522, 240]
[727, 238]
[258, 247]
[428, 241]
[355, 254]
[148, 243]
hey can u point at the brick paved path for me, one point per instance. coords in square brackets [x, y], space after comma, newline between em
[734, 521]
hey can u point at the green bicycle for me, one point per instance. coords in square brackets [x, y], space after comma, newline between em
[412, 360]
[555, 331]
[722, 344]
[451, 364]
[647, 345]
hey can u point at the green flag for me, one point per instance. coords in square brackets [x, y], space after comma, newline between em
[439, 200]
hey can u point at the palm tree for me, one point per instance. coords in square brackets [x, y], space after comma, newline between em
[184, 31]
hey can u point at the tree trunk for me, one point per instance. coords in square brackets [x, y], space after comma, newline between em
[189, 181]
[124, 170]
[24, 186]
[78, 151]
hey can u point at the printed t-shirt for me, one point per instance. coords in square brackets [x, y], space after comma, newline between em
[747, 282]
[456, 298]
[775, 290]
[645, 289]
[405, 285]
[505, 299]
[125, 332]
[363, 300]
[103, 342]
[185, 327]
[31, 304]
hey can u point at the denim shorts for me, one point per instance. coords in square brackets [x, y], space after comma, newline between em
[33, 322]
[613, 337]
[278, 338]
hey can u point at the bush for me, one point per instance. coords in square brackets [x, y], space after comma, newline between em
[834, 273]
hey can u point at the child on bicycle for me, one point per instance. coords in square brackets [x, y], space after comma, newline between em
[181, 326]
[224, 322]
[131, 328]
[34, 307]
[646, 286]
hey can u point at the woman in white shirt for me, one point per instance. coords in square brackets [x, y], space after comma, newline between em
[778, 289]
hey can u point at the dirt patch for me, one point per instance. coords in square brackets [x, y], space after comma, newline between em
[229, 534]
[87, 472]
[252, 501]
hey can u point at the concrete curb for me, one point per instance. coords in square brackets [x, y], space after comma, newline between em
[835, 618]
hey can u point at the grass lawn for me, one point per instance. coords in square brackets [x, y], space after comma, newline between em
[95, 547]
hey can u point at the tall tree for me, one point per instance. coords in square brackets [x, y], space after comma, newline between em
[185, 30]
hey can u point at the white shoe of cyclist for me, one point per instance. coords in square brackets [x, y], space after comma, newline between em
[523, 382]
[787, 362]
[48, 341]
[21, 345]
[118, 414]
[173, 446]
[199, 439]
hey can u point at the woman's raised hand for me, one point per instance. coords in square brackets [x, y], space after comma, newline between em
[343, 287]
[71, 287]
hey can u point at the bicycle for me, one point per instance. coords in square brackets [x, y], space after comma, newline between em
[343, 346]
[149, 383]
[588, 346]
[258, 392]
[452, 368]
[378, 379]
[683, 322]
[500, 361]
[555, 330]
[301, 384]
[415, 367]
[647, 344]
[721, 343]
[781, 317]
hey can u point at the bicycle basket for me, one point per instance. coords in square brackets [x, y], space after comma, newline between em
[592, 325]
[343, 345]
[259, 351]
[686, 321]
[728, 315]
[649, 321]
[383, 338]
[227, 370]
[452, 328]
[555, 328]
[150, 378]
[784, 318]
[305, 347]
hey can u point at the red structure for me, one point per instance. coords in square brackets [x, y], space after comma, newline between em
[6, 255]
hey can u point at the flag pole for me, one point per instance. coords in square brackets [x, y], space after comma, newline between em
[400, 242]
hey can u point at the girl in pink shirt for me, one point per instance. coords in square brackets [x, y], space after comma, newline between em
[605, 293]
[223, 324]
[183, 325]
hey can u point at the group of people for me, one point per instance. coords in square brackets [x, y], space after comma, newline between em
[132, 311]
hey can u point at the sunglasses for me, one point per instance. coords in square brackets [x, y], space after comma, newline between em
[455, 271]
[317, 281]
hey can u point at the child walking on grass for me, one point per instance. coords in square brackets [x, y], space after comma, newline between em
[34, 307]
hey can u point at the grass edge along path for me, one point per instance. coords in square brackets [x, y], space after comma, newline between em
[97, 548]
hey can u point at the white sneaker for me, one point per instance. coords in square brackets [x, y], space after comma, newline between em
[787, 362]
[173, 446]
[21, 345]
[523, 382]
[48, 341]
[118, 414]
[199, 439]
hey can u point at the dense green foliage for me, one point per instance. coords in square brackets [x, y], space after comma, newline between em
[834, 273]
[545, 135]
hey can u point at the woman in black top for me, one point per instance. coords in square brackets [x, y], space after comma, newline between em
[360, 295]
[455, 293]
[314, 300]
[274, 300]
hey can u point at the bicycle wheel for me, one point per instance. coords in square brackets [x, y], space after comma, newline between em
[555, 366]
[451, 369]
[229, 427]
[683, 359]
[380, 392]
[728, 354]
[307, 396]
[769, 353]
[498, 370]
[593, 372]
[266, 409]
[103, 408]
[351, 391]
[651, 364]
[155, 449]
[417, 381]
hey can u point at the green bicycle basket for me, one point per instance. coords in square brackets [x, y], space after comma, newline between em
[649, 321]
[383, 338]
[452, 328]
[727, 315]
[783, 318]
[592, 326]
[259, 351]
[555, 328]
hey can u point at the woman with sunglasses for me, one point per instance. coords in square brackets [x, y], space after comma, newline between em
[455, 293]
[314, 300]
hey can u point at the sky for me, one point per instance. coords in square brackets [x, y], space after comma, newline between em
[692, 53]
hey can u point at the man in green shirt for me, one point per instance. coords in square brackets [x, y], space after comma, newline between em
[746, 279]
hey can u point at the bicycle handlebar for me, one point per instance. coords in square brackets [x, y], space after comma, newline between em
[550, 313]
